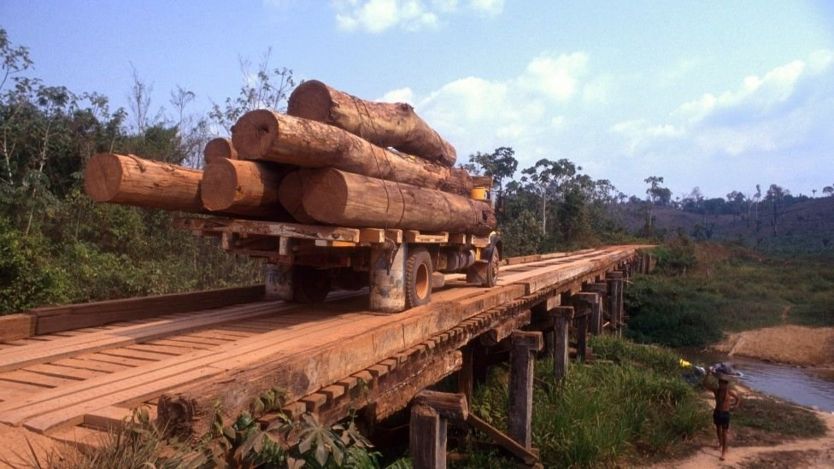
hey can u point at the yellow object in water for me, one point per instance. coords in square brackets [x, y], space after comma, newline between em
[684, 364]
[479, 193]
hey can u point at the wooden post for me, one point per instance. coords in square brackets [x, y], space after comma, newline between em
[583, 304]
[562, 316]
[524, 346]
[387, 280]
[615, 298]
[598, 313]
[430, 413]
[278, 281]
[543, 320]
[466, 375]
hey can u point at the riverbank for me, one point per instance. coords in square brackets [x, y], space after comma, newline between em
[793, 345]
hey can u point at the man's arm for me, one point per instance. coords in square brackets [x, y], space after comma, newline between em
[736, 399]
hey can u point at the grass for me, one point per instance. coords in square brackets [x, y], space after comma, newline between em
[632, 402]
[726, 288]
[779, 418]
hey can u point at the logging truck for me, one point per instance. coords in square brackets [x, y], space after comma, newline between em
[339, 193]
[399, 267]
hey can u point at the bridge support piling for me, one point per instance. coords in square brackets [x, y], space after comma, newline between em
[562, 316]
[615, 299]
[430, 413]
[520, 416]
[583, 304]
[543, 320]
[599, 309]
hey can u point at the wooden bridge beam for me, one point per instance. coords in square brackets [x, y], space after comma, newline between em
[520, 417]
[430, 413]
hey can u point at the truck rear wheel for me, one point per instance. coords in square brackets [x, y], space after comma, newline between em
[492, 269]
[418, 270]
[310, 285]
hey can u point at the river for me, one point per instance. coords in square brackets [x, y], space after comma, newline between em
[804, 386]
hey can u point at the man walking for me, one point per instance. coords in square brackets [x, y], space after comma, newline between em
[726, 400]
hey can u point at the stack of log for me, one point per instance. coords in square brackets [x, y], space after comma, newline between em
[332, 159]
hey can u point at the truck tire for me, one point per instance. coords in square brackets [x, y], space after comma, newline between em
[418, 270]
[310, 285]
[492, 269]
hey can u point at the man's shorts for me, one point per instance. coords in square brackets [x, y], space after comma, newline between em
[721, 418]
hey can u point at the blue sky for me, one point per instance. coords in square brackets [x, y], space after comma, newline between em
[721, 95]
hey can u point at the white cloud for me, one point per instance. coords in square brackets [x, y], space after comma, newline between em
[376, 16]
[490, 7]
[758, 96]
[479, 114]
[399, 95]
[555, 77]
[638, 132]
[770, 113]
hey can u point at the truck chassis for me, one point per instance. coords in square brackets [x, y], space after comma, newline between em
[400, 267]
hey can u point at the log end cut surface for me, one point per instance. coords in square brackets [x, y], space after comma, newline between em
[327, 196]
[254, 133]
[290, 194]
[219, 149]
[103, 177]
[311, 100]
[219, 185]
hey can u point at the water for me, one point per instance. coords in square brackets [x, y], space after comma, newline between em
[802, 386]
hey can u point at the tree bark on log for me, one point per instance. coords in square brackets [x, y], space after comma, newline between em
[131, 180]
[290, 195]
[219, 149]
[347, 199]
[385, 124]
[243, 187]
[267, 135]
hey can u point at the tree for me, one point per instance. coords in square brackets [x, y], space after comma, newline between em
[828, 190]
[776, 196]
[266, 88]
[737, 201]
[500, 164]
[545, 179]
[657, 195]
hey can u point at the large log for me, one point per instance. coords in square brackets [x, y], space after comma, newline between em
[243, 187]
[347, 199]
[385, 124]
[290, 195]
[268, 135]
[219, 148]
[131, 180]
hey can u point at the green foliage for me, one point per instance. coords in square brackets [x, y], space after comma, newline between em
[676, 257]
[575, 423]
[25, 277]
[245, 444]
[731, 289]
[56, 245]
[671, 313]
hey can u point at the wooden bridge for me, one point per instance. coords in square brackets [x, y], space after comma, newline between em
[73, 371]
